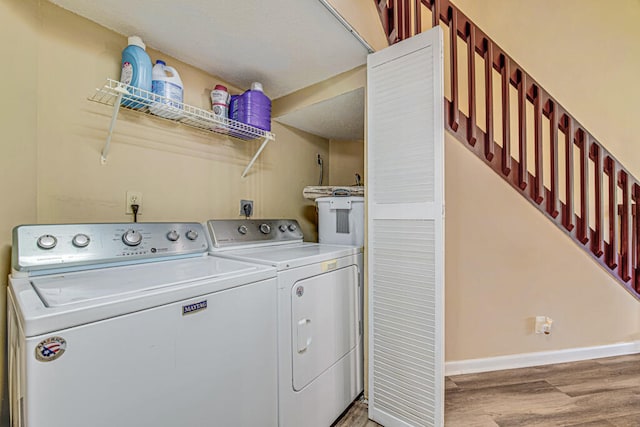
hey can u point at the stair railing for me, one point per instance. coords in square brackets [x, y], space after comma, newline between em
[594, 180]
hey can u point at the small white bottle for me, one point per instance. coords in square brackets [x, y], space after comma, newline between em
[220, 105]
[220, 101]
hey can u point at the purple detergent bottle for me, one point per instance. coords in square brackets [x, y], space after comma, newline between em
[254, 108]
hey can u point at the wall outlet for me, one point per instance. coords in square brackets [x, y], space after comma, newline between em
[133, 198]
[246, 208]
[543, 325]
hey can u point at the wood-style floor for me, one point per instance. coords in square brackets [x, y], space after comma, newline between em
[592, 393]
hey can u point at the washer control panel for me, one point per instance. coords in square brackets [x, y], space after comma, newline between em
[236, 232]
[45, 247]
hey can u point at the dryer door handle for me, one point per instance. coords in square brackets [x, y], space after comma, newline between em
[303, 335]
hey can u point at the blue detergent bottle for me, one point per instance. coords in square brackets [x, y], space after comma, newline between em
[136, 71]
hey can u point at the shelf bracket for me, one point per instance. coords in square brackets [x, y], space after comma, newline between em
[255, 157]
[116, 108]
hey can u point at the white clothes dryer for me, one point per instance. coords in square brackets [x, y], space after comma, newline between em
[319, 315]
[135, 325]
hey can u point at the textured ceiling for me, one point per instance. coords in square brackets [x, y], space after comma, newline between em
[285, 44]
[340, 118]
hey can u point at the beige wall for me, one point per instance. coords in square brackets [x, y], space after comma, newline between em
[361, 14]
[322, 91]
[53, 136]
[18, 121]
[183, 174]
[584, 52]
[505, 263]
[346, 158]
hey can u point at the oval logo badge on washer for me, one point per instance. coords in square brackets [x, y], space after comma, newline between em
[50, 349]
[300, 291]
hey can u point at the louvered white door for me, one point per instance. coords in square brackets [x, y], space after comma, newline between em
[405, 155]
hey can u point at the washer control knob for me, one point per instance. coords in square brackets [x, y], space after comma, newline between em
[292, 227]
[265, 228]
[192, 235]
[132, 238]
[80, 240]
[282, 228]
[242, 229]
[173, 235]
[47, 241]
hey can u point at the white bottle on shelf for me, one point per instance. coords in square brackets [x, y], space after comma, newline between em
[220, 101]
[220, 105]
[166, 83]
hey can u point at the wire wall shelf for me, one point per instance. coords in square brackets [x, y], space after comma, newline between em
[119, 95]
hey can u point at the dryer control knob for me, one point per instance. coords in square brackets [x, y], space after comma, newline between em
[292, 227]
[173, 235]
[132, 238]
[242, 229]
[47, 241]
[265, 228]
[192, 235]
[282, 228]
[80, 240]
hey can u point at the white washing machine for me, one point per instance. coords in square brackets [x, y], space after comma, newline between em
[135, 325]
[319, 315]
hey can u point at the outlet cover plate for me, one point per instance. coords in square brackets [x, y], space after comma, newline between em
[242, 204]
[133, 197]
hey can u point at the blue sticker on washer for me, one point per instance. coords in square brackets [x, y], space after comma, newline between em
[192, 308]
[50, 349]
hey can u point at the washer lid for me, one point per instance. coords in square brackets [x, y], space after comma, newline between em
[50, 303]
[72, 288]
[291, 255]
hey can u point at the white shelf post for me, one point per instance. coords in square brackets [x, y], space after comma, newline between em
[264, 144]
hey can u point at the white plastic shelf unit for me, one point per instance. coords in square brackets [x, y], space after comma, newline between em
[119, 95]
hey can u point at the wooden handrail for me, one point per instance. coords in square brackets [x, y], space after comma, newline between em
[618, 251]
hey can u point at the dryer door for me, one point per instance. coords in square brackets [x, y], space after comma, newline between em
[324, 311]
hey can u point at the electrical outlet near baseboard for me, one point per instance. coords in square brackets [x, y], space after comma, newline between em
[133, 198]
[543, 325]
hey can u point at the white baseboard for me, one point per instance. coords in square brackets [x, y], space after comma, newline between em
[524, 360]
